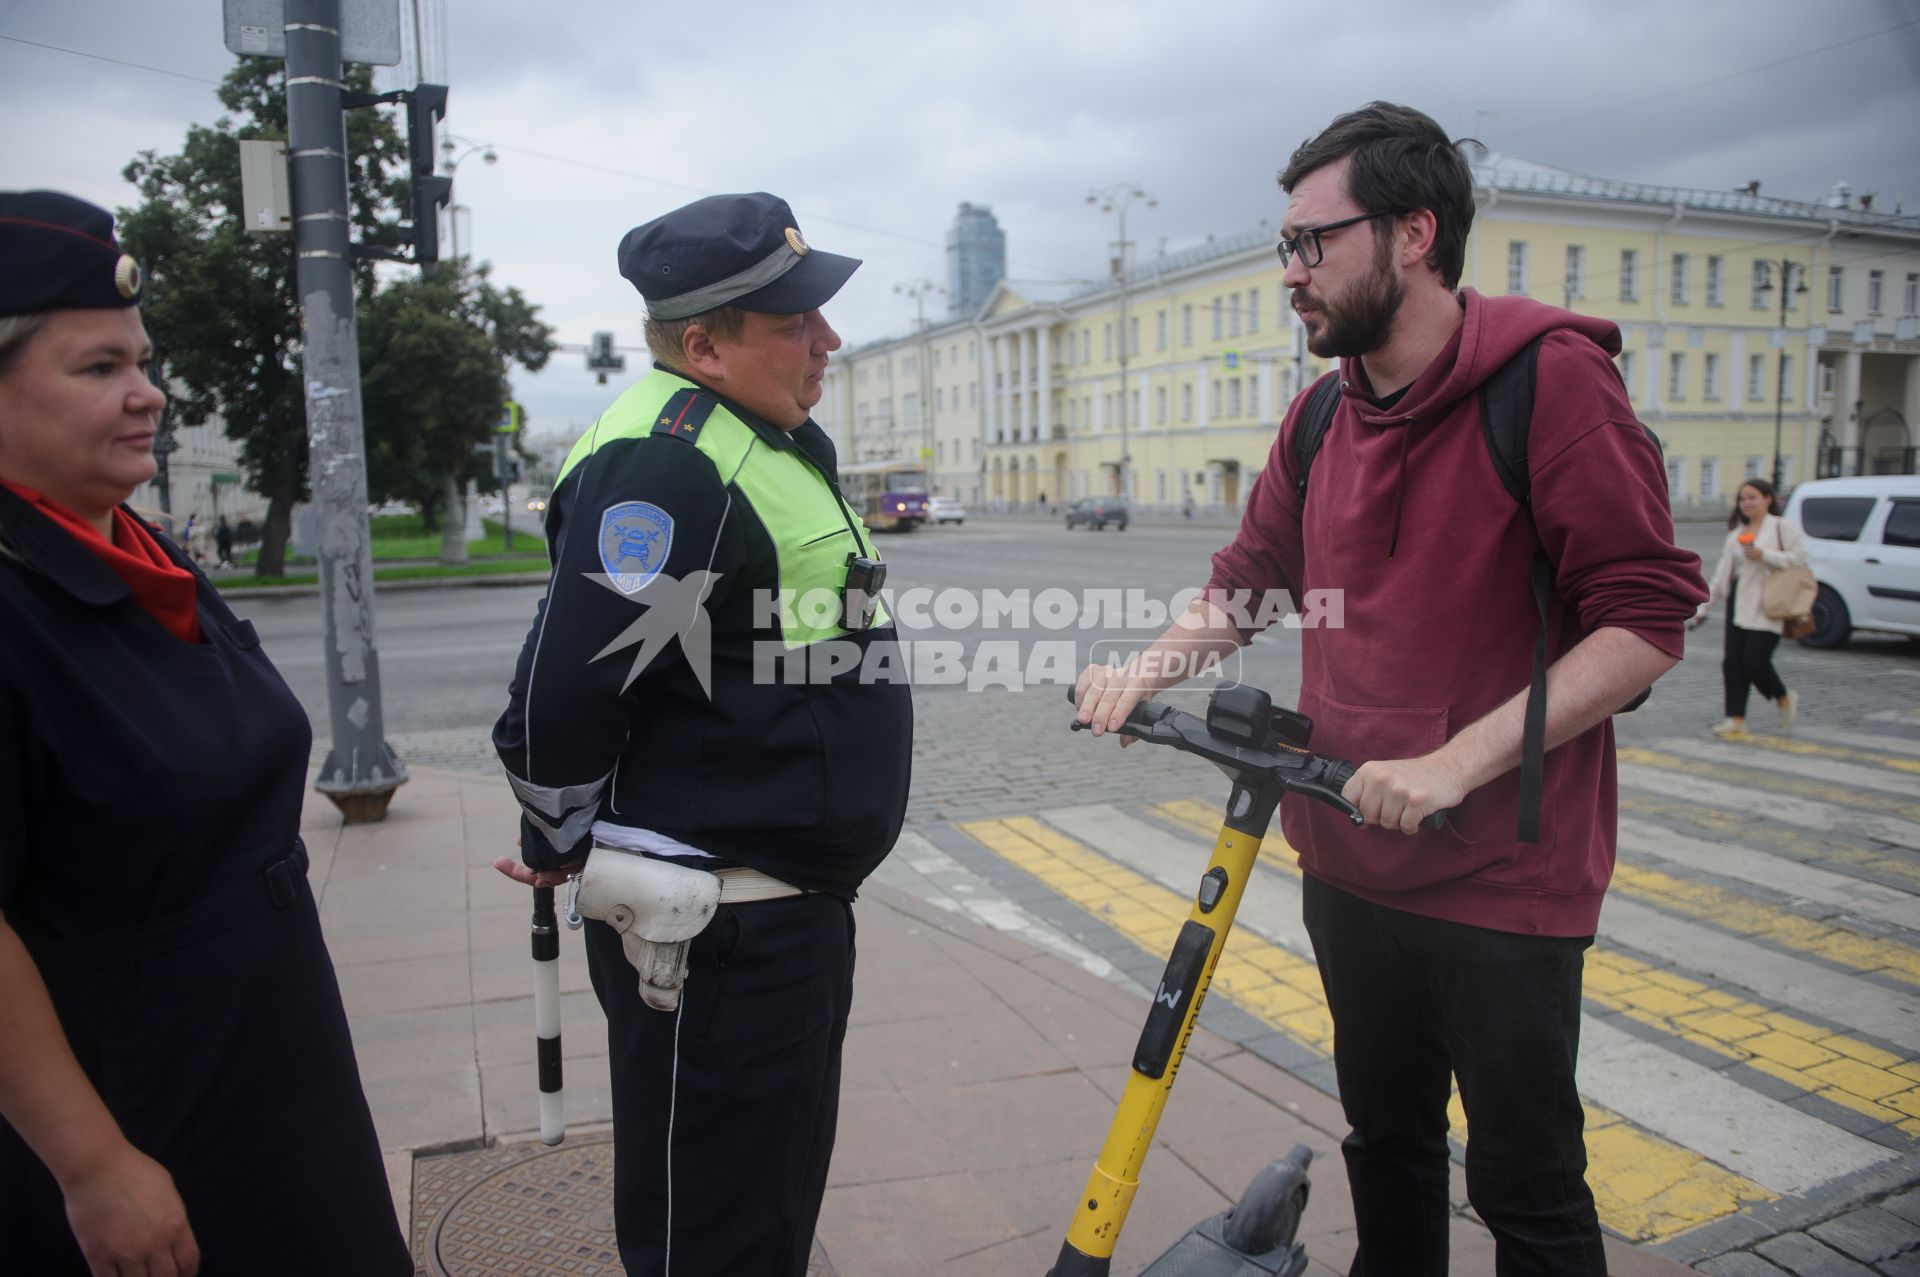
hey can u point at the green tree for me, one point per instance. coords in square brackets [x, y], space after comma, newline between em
[434, 352]
[222, 305]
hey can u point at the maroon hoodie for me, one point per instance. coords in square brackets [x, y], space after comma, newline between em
[1406, 516]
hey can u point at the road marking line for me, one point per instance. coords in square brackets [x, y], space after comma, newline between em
[1886, 753]
[1648, 1188]
[1751, 831]
[1770, 1143]
[1807, 814]
[1799, 763]
[1842, 795]
[1790, 877]
[1735, 913]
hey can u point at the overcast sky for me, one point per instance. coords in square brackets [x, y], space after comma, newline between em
[875, 118]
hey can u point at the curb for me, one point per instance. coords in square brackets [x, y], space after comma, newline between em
[383, 587]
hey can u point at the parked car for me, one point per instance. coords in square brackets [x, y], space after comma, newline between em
[1863, 540]
[1097, 512]
[946, 510]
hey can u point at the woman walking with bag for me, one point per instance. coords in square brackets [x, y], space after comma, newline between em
[1759, 544]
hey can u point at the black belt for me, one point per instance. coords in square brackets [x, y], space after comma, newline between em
[276, 887]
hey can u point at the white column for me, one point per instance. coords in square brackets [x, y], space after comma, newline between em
[990, 389]
[1846, 425]
[1044, 417]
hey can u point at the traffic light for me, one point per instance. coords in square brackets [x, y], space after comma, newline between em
[426, 105]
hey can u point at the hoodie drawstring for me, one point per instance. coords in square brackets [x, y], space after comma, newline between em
[1400, 487]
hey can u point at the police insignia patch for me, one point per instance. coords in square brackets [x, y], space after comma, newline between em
[634, 539]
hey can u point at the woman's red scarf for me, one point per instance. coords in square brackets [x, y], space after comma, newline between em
[166, 590]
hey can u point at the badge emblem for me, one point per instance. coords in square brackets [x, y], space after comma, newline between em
[797, 244]
[126, 277]
[634, 539]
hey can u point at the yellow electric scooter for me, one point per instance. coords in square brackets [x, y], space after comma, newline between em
[1263, 751]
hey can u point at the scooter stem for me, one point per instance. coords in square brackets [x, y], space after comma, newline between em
[1095, 1228]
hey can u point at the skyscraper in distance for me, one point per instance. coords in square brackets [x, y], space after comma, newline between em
[976, 258]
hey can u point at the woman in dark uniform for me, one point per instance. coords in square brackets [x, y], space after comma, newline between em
[177, 1084]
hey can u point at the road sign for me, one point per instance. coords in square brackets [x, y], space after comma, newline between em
[509, 419]
[1229, 359]
[369, 29]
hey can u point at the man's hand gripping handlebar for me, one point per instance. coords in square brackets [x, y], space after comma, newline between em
[1245, 737]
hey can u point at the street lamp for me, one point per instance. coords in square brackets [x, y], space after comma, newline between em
[448, 163]
[1114, 199]
[920, 290]
[1788, 291]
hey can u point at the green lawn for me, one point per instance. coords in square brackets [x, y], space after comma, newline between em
[404, 536]
[410, 572]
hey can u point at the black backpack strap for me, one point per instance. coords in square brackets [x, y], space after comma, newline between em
[1310, 431]
[1506, 419]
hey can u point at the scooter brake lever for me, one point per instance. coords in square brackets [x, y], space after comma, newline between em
[1331, 797]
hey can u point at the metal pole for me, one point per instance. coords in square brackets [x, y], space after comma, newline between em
[1120, 274]
[1780, 389]
[360, 772]
[546, 1017]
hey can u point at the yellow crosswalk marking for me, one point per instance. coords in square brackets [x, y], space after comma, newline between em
[1770, 835]
[1775, 782]
[1840, 753]
[1646, 1188]
[1730, 911]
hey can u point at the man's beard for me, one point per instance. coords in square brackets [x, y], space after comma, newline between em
[1362, 321]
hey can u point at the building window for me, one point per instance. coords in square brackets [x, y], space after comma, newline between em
[1711, 382]
[1253, 310]
[1676, 377]
[1786, 369]
[1216, 318]
[1233, 315]
[1676, 473]
[1626, 372]
[1714, 275]
[1629, 274]
[1709, 478]
[1516, 266]
[1576, 272]
[1913, 294]
[1106, 337]
[1876, 284]
[1828, 378]
[1186, 402]
[1753, 468]
[1160, 404]
[1253, 397]
[973, 394]
[1756, 376]
[1836, 285]
[1679, 292]
[1233, 397]
[1159, 330]
[1186, 325]
[1133, 334]
[939, 399]
[1762, 278]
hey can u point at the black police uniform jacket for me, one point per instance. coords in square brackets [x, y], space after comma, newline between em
[689, 537]
[150, 794]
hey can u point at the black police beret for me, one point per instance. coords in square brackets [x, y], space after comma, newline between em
[58, 253]
[729, 250]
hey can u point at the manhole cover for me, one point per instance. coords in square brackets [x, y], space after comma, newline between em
[523, 1210]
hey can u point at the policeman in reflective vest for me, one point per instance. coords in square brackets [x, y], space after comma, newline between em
[711, 703]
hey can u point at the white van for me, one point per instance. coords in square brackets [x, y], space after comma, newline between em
[1863, 537]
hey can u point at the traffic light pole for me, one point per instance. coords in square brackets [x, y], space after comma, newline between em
[360, 772]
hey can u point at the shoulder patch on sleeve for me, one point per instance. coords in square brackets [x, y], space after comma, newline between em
[684, 414]
[634, 539]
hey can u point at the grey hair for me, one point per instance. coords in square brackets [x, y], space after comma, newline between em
[14, 331]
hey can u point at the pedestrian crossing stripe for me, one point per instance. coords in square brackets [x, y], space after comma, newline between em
[1761, 833]
[1840, 753]
[1645, 1187]
[1820, 791]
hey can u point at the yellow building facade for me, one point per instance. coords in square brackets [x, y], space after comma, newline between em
[1171, 383]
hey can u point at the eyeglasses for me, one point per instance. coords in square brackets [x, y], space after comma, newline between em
[1307, 242]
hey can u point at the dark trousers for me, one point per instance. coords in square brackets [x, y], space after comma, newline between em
[724, 1110]
[1748, 662]
[1417, 1001]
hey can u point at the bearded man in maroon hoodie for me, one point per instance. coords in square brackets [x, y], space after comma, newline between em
[1452, 954]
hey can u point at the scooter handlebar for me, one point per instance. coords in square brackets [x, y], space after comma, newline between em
[1317, 776]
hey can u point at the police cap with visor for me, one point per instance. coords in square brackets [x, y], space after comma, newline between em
[59, 253]
[744, 251]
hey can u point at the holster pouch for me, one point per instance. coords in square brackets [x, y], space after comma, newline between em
[658, 907]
